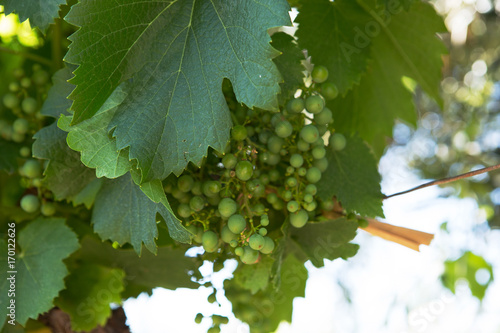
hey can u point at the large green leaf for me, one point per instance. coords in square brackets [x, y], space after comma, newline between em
[407, 46]
[254, 277]
[326, 240]
[43, 244]
[178, 53]
[125, 214]
[41, 13]
[89, 291]
[352, 177]
[65, 175]
[335, 36]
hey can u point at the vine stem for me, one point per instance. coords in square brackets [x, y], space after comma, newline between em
[446, 180]
[27, 55]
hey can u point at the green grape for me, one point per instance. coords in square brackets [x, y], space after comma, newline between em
[311, 206]
[272, 198]
[179, 195]
[309, 133]
[10, 100]
[337, 141]
[266, 118]
[30, 203]
[314, 104]
[26, 82]
[256, 242]
[273, 159]
[40, 77]
[308, 198]
[311, 189]
[199, 235]
[274, 144]
[319, 74]
[302, 171]
[29, 105]
[329, 90]
[196, 189]
[279, 205]
[229, 161]
[287, 195]
[249, 256]
[48, 209]
[25, 151]
[322, 129]
[198, 318]
[184, 210]
[227, 207]
[295, 105]
[211, 188]
[14, 86]
[299, 218]
[292, 206]
[197, 203]
[327, 205]
[325, 117]
[214, 200]
[264, 220]
[32, 169]
[313, 175]
[321, 164]
[264, 136]
[262, 231]
[227, 236]
[18, 137]
[250, 131]
[290, 170]
[363, 223]
[318, 153]
[244, 170]
[274, 175]
[239, 133]
[185, 183]
[296, 160]
[168, 188]
[209, 241]
[264, 179]
[276, 118]
[239, 251]
[192, 229]
[291, 181]
[303, 146]
[236, 223]
[258, 209]
[283, 129]
[18, 73]
[268, 246]
[20, 125]
[233, 243]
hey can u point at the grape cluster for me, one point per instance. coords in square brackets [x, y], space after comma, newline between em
[20, 120]
[267, 175]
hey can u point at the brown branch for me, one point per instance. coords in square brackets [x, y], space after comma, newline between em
[446, 180]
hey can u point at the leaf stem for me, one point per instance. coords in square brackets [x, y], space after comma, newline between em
[447, 180]
[56, 45]
[27, 55]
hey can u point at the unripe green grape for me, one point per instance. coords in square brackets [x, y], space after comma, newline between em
[250, 131]
[311, 206]
[256, 242]
[283, 152]
[322, 129]
[252, 185]
[10, 100]
[299, 218]
[48, 209]
[211, 188]
[40, 77]
[20, 125]
[197, 203]
[309, 133]
[283, 129]
[209, 241]
[291, 181]
[268, 246]
[244, 170]
[236, 223]
[314, 104]
[292, 206]
[319, 74]
[14, 86]
[258, 209]
[25, 151]
[327, 205]
[264, 136]
[214, 200]
[179, 195]
[264, 179]
[17, 137]
[32, 169]
[313, 175]
[325, 117]
[271, 198]
[262, 231]
[363, 223]
[274, 175]
[7, 132]
[229, 161]
[337, 141]
[287, 195]
[264, 220]
[198, 318]
[196, 189]
[184, 210]
[249, 256]
[185, 183]
[199, 235]
[25, 82]
[321, 164]
[273, 159]
[30, 203]
[276, 118]
[239, 133]
[239, 251]
[295, 105]
[303, 146]
[308, 198]
[311, 189]
[233, 243]
[290, 170]
[302, 171]
[274, 144]
[296, 160]
[37, 182]
[279, 205]
[192, 230]
[29, 105]
[227, 207]
[266, 118]
[318, 152]
[227, 236]
[329, 90]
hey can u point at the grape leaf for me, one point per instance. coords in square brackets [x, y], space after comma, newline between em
[57, 101]
[125, 214]
[335, 36]
[89, 291]
[289, 64]
[41, 13]
[326, 240]
[352, 177]
[88, 194]
[406, 46]
[178, 53]
[254, 277]
[44, 243]
[167, 269]
[90, 137]
[65, 175]
[8, 157]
